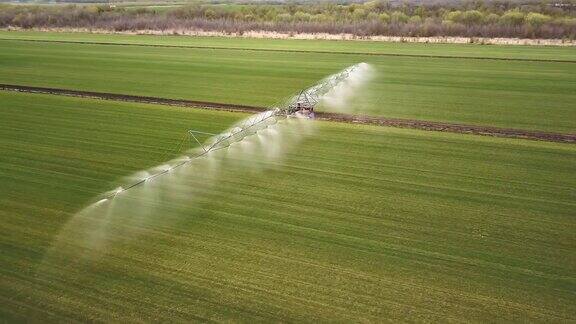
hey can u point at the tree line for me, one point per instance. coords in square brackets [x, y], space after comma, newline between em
[543, 19]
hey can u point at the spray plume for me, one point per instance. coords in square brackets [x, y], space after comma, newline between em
[125, 213]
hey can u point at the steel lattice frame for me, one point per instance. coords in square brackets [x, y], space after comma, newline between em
[313, 95]
[310, 96]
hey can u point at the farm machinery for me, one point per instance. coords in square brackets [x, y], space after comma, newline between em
[303, 104]
[299, 106]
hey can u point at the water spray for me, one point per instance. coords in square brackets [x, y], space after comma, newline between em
[299, 106]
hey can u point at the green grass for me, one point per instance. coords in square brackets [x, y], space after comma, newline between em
[360, 47]
[355, 223]
[525, 95]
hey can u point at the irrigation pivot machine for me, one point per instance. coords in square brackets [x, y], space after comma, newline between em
[299, 106]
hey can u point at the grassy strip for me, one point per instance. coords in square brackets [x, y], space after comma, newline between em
[355, 223]
[523, 95]
[350, 47]
[300, 51]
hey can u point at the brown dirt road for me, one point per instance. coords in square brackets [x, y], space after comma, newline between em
[359, 119]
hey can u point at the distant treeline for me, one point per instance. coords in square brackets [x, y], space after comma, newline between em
[544, 19]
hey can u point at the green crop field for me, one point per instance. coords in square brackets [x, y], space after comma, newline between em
[355, 223]
[382, 48]
[304, 221]
[516, 94]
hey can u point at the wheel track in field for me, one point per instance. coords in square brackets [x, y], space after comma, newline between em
[335, 117]
[291, 50]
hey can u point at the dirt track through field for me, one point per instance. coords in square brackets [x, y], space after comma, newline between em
[293, 51]
[357, 119]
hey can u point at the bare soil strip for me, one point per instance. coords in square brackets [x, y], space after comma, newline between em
[293, 51]
[335, 117]
[132, 98]
[261, 34]
[451, 127]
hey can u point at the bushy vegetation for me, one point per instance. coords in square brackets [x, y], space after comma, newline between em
[378, 17]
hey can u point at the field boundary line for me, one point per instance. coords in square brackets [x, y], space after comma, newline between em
[291, 51]
[132, 98]
[428, 125]
[326, 116]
